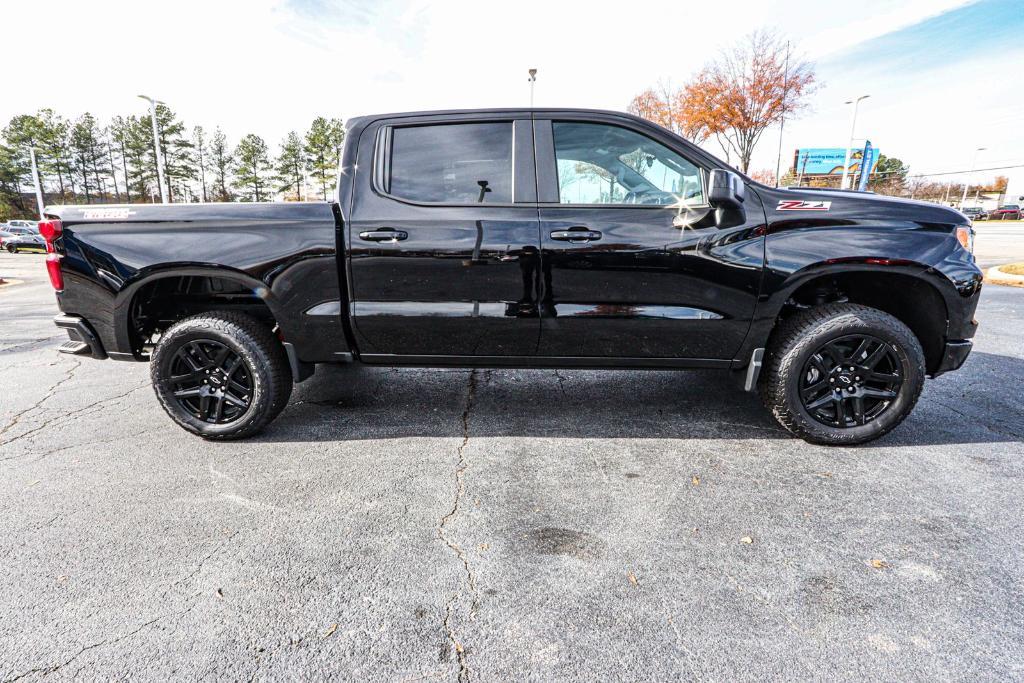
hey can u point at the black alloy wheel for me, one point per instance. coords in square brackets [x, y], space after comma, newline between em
[221, 374]
[841, 373]
[850, 381]
[210, 381]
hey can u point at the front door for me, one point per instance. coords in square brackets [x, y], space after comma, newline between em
[444, 240]
[637, 265]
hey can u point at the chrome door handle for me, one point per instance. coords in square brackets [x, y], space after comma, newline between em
[384, 235]
[575, 235]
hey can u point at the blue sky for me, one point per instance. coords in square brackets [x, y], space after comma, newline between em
[939, 87]
[944, 76]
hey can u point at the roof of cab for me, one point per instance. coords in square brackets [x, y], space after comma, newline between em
[359, 120]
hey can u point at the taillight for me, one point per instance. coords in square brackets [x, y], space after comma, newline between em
[53, 269]
[965, 236]
[50, 230]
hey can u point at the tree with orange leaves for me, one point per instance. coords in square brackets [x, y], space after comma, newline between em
[748, 89]
[668, 108]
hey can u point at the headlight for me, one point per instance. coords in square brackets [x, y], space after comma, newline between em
[965, 236]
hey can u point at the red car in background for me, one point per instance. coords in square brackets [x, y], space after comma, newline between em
[1005, 212]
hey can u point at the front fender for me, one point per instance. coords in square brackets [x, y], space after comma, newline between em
[928, 253]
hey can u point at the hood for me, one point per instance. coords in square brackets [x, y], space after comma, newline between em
[847, 204]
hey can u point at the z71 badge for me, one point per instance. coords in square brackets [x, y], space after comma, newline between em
[798, 205]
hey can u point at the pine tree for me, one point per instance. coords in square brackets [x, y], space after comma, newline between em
[323, 148]
[56, 145]
[251, 174]
[222, 163]
[201, 157]
[140, 158]
[175, 149]
[120, 132]
[83, 143]
[12, 202]
[291, 166]
[21, 134]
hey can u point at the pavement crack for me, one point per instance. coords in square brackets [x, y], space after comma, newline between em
[47, 396]
[978, 420]
[29, 344]
[561, 383]
[62, 416]
[47, 670]
[442, 533]
[202, 562]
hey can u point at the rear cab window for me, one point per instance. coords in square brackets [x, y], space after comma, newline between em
[451, 163]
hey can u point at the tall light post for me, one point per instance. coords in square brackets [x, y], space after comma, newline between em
[532, 79]
[156, 147]
[782, 118]
[974, 165]
[36, 182]
[849, 147]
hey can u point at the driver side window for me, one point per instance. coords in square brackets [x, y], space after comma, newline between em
[605, 164]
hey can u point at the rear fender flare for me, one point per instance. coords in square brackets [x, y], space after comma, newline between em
[125, 299]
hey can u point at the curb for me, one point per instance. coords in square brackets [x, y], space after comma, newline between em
[998, 277]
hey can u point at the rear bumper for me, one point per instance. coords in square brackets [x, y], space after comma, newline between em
[82, 341]
[953, 356]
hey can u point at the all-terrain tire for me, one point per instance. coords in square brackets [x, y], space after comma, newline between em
[798, 338]
[254, 344]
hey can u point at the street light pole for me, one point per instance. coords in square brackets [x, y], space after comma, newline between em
[849, 147]
[156, 147]
[35, 181]
[974, 165]
[532, 79]
[782, 119]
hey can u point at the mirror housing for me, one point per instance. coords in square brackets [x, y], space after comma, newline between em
[726, 190]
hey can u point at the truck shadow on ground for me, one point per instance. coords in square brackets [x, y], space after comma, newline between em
[359, 402]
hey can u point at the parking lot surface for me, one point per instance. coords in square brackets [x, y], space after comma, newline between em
[503, 525]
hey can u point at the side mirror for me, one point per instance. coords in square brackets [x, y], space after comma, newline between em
[725, 190]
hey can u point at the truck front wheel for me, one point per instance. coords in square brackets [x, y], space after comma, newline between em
[221, 375]
[842, 374]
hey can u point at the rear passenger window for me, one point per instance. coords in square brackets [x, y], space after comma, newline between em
[459, 163]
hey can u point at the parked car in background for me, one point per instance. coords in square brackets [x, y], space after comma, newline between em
[975, 213]
[31, 226]
[4, 234]
[22, 239]
[1005, 212]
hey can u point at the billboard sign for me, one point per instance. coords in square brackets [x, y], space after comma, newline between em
[828, 161]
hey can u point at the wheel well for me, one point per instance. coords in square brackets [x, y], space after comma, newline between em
[159, 304]
[911, 300]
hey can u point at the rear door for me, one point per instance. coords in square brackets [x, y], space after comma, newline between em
[637, 265]
[444, 239]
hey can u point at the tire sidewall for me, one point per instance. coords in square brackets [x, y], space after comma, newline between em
[900, 340]
[197, 330]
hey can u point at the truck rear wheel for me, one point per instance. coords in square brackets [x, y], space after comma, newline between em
[221, 375]
[842, 374]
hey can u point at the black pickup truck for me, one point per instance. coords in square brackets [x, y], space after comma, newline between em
[545, 238]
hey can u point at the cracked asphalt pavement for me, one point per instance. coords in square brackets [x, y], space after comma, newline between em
[503, 525]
